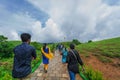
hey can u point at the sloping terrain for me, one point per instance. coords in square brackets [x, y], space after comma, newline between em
[103, 56]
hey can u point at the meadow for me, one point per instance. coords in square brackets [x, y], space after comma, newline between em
[109, 48]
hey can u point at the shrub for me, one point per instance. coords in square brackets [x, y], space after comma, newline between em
[3, 38]
[7, 76]
[92, 74]
[75, 41]
[36, 45]
[53, 47]
[89, 41]
[6, 49]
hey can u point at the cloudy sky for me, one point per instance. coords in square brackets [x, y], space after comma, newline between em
[60, 20]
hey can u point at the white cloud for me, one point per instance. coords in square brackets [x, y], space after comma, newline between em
[50, 33]
[83, 19]
[18, 23]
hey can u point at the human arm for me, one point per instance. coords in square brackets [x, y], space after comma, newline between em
[68, 58]
[34, 53]
[80, 61]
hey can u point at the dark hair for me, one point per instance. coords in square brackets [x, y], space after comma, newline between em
[65, 49]
[44, 46]
[72, 46]
[25, 37]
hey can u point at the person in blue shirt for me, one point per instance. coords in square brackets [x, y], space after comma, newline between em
[44, 58]
[64, 55]
[23, 55]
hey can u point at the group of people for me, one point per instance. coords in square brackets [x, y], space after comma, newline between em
[24, 54]
[72, 58]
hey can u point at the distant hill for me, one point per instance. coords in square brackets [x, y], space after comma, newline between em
[109, 47]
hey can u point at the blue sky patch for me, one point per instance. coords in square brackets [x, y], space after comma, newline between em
[24, 7]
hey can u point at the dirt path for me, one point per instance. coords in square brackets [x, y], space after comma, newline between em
[56, 70]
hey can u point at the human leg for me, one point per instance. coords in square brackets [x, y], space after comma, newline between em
[45, 67]
[72, 75]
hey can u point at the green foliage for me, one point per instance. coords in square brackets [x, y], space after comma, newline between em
[6, 69]
[7, 77]
[36, 45]
[53, 47]
[104, 59]
[89, 41]
[92, 74]
[38, 59]
[6, 48]
[75, 41]
[66, 44]
[3, 38]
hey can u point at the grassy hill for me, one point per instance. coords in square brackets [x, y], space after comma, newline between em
[103, 56]
[109, 47]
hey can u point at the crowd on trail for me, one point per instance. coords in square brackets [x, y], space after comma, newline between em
[72, 58]
[24, 54]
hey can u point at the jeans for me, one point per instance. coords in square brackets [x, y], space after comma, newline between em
[72, 75]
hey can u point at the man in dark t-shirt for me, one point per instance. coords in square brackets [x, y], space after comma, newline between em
[23, 55]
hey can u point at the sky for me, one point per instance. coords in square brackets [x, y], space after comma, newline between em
[60, 20]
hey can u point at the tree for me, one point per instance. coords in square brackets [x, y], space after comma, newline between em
[6, 49]
[89, 41]
[2, 38]
[75, 41]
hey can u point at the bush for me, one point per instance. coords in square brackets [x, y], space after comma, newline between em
[89, 41]
[3, 38]
[75, 41]
[7, 76]
[36, 45]
[5, 71]
[6, 49]
[53, 47]
[92, 74]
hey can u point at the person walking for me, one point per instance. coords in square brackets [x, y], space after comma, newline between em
[23, 55]
[64, 55]
[73, 59]
[46, 55]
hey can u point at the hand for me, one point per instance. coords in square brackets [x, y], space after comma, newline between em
[83, 69]
[33, 58]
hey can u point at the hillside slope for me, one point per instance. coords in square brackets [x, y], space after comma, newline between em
[103, 56]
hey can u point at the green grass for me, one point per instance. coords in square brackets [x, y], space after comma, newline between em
[104, 59]
[91, 74]
[109, 47]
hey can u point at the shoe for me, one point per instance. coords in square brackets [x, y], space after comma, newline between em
[45, 71]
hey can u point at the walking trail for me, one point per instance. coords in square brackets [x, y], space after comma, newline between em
[56, 70]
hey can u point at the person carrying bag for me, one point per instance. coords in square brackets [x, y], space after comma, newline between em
[73, 60]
